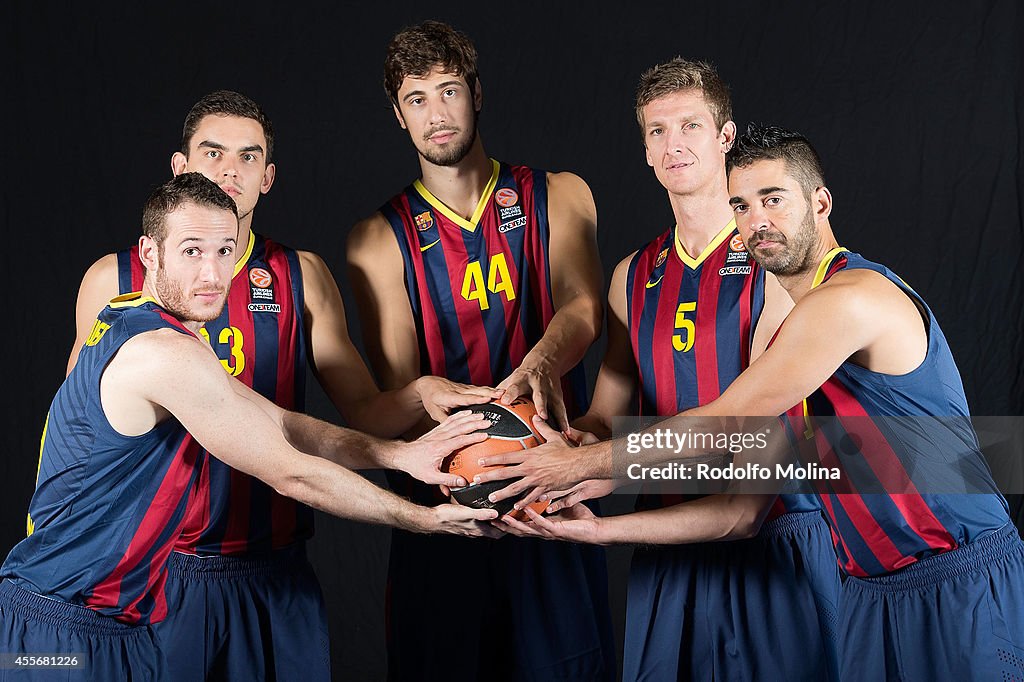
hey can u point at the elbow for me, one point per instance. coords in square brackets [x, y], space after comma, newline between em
[744, 523]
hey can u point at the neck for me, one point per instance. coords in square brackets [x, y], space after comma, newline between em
[244, 229]
[459, 186]
[799, 283]
[700, 217]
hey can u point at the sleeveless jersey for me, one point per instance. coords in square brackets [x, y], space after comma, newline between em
[260, 339]
[880, 521]
[690, 324]
[107, 508]
[479, 289]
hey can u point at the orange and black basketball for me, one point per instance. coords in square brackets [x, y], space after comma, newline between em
[511, 429]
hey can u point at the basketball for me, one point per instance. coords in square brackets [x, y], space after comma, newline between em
[511, 429]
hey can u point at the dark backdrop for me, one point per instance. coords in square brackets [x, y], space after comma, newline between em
[914, 107]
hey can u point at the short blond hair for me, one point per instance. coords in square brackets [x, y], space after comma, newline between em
[680, 74]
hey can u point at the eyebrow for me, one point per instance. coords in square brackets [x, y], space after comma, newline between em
[218, 146]
[439, 86]
[763, 192]
[186, 240]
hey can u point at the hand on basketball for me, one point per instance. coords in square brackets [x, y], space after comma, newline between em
[542, 387]
[458, 520]
[547, 467]
[576, 524]
[587, 490]
[422, 458]
[440, 396]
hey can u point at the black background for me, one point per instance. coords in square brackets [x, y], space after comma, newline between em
[915, 109]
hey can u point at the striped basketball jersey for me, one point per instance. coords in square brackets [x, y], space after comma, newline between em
[479, 289]
[690, 325]
[107, 508]
[260, 340]
[861, 424]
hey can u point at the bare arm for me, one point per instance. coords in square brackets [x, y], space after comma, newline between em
[344, 376]
[857, 315]
[215, 411]
[98, 286]
[576, 289]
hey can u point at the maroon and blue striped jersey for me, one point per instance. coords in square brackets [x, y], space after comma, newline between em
[260, 340]
[107, 508]
[690, 324]
[886, 434]
[480, 289]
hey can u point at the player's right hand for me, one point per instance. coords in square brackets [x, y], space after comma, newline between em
[587, 490]
[467, 521]
[440, 396]
[422, 458]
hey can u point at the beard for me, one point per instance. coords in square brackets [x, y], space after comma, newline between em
[797, 254]
[174, 300]
[452, 152]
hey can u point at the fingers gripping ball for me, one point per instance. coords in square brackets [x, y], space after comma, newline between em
[511, 429]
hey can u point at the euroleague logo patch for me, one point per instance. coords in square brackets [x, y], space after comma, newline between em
[506, 197]
[424, 221]
[260, 278]
[736, 243]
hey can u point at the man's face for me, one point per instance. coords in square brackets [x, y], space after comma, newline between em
[196, 262]
[440, 114]
[684, 146]
[231, 151]
[774, 217]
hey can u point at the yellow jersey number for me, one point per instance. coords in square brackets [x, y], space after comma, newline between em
[232, 338]
[498, 281]
[684, 342]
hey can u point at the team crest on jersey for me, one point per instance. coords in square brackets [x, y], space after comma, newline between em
[262, 288]
[506, 196]
[661, 258]
[736, 244]
[424, 221]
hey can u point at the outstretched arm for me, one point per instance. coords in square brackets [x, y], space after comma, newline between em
[576, 289]
[344, 376]
[214, 410]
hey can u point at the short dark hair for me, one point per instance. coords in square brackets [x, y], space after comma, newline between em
[226, 103]
[680, 74]
[415, 50]
[771, 143]
[194, 188]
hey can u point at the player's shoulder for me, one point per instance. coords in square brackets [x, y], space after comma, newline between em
[857, 292]
[103, 268]
[368, 235]
[566, 183]
[622, 267]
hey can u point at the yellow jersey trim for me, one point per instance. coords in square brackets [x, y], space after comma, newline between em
[819, 276]
[693, 263]
[240, 263]
[439, 205]
[132, 300]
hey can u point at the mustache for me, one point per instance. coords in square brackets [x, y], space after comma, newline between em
[440, 129]
[765, 235]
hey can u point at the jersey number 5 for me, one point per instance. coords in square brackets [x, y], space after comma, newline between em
[498, 281]
[679, 342]
[232, 338]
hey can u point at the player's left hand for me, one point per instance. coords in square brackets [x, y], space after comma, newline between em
[542, 387]
[576, 524]
[422, 458]
[552, 466]
[440, 396]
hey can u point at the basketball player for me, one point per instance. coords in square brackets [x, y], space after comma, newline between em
[485, 273]
[934, 584]
[681, 313]
[242, 549]
[118, 465]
